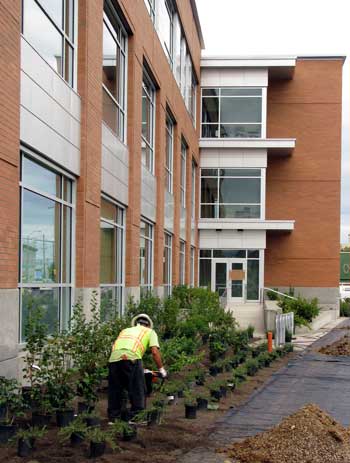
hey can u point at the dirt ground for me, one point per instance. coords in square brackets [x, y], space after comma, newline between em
[308, 436]
[341, 347]
[159, 444]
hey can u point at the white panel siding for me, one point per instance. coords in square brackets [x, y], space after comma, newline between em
[230, 77]
[115, 167]
[221, 158]
[232, 239]
[148, 195]
[169, 212]
[50, 111]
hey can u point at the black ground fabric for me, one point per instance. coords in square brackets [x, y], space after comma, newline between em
[310, 378]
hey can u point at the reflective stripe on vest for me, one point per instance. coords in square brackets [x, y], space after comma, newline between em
[137, 339]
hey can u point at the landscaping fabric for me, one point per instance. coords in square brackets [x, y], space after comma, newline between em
[341, 347]
[307, 436]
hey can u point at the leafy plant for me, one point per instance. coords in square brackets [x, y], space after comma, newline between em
[250, 331]
[11, 398]
[239, 374]
[190, 399]
[78, 426]
[345, 307]
[304, 311]
[120, 428]
[98, 436]
[30, 434]
[288, 347]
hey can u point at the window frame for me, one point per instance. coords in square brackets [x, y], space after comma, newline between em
[183, 172]
[123, 52]
[169, 168]
[66, 39]
[217, 204]
[121, 285]
[32, 156]
[192, 265]
[149, 241]
[193, 189]
[182, 262]
[262, 124]
[168, 253]
[151, 8]
[151, 96]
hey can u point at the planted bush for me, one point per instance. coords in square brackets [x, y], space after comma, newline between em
[304, 311]
[252, 366]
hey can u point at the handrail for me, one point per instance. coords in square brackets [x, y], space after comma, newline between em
[281, 294]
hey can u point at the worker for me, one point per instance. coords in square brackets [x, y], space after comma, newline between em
[125, 365]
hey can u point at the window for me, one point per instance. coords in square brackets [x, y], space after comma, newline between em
[49, 28]
[232, 112]
[165, 27]
[183, 173]
[182, 262]
[192, 263]
[146, 256]
[167, 264]
[148, 123]
[193, 99]
[45, 244]
[231, 193]
[169, 153]
[193, 190]
[113, 75]
[111, 259]
[150, 5]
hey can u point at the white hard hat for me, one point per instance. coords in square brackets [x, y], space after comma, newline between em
[135, 320]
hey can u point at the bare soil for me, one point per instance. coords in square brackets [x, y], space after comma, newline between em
[338, 348]
[308, 436]
[165, 443]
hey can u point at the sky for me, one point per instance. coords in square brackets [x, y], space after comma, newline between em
[280, 27]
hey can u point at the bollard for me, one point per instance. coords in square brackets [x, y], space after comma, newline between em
[269, 341]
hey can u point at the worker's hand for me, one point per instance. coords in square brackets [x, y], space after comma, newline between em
[163, 372]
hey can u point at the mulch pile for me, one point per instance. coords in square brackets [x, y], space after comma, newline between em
[341, 347]
[308, 436]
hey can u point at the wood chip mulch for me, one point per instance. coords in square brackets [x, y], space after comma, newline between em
[341, 347]
[308, 436]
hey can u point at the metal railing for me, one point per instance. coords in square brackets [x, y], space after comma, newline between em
[263, 290]
[284, 322]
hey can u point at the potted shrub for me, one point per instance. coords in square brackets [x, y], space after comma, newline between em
[200, 377]
[124, 430]
[26, 440]
[215, 391]
[252, 367]
[288, 347]
[13, 407]
[98, 440]
[239, 375]
[170, 390]
[202, 401]
[190, 406]
[91, 419]
[264, 360]
[75, 432]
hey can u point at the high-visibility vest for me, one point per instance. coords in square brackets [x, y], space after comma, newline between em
[132, 343]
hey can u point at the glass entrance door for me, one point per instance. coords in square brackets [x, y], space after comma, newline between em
[229, 278]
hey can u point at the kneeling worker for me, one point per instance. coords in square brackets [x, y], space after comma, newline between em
[125, 365]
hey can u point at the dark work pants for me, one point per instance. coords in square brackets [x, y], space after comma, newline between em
[125, 375]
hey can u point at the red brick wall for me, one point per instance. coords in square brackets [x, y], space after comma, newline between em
[10, 28]
[89, 182]
[306, 186]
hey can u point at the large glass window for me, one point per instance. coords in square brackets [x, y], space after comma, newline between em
[193, 190]
[165, 27]
[111, 259]
[167, 264]
[182, 262]
[49, 27]
[231, 193]
[146, 256]
[183, 173]
[169, 154]
[192, 263]
[113, 75]
[46, 243]
[148, 123]
[232, 112]
[150, 5]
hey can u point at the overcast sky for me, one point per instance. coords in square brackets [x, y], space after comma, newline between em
[297, 27]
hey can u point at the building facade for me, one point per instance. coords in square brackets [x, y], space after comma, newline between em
[130, 164]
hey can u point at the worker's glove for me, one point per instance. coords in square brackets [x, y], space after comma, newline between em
[163, 372]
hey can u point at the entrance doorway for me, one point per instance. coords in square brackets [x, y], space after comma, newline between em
[229, 278]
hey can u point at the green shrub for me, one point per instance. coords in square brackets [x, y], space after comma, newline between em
[288, 347]
[239, 374]
[264, 359]
[304, 311]
[252, 367]
[345, 308]
[289, 336]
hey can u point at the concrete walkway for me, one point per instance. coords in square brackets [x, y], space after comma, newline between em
[310, 378]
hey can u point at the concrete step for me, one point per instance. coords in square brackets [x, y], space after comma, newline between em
[250, 313]
[324, 318]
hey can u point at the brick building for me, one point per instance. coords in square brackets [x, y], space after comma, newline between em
[129, 164]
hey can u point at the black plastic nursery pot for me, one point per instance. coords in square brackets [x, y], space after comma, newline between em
[216, 394]
[200, 382]
[190, 412]
[223, 390]
[129, 434]
[97, 449]
[180, 393]
[24, 447]
[213, 371]
[228, 367]
[83, 407]
[40, 419]
[92, 421]
[76, 439]
[154, 417]
[64, 417]
[202, 404]
[6, 432]
[220, 369]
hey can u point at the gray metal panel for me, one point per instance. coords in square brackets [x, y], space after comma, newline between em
[115, 166]
[169, 212]
[50, 111]
[148, 194]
